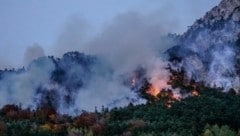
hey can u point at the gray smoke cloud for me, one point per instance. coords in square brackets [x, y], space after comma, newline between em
[33, 52]
[130, 41]
[73, 35]
[222, 72]
[209, 53]
[4, 64]
[19, 87]
[15, 37]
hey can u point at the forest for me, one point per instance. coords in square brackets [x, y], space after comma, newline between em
[204, 112]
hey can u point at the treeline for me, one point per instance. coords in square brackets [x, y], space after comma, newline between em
[211, 113]
[193, 116]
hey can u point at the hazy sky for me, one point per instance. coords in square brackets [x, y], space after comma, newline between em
[45, 22]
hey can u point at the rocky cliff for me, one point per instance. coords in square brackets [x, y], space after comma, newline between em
[208, 50]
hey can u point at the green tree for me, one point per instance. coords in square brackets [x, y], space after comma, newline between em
[208, 133]
[218, 131]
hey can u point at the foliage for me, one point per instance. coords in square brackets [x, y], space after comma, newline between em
[211, 113]
[218, 131]
[186, 117]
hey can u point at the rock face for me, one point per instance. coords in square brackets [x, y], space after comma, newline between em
[227, 9]
[221, 25]
[208, 51]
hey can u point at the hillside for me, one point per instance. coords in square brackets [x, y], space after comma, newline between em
[194, 91]
[208, 51]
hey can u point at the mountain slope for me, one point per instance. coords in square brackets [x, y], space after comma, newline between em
[207, 51]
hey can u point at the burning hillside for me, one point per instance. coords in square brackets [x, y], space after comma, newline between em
[138, 68]
[208, 51]
[132, 80]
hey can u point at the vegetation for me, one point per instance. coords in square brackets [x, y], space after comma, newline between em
[204, 112]
[212, 113]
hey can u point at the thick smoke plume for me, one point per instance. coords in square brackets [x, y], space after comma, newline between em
[78, 82]
[130, 41]
[107, 75]
[19, 87]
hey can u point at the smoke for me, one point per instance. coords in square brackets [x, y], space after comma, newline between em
[73, 35]
[209, 53]
[222, 72]
[19, 87]
[130, 40]
[78, 82]
[105, 92]
[158, 74]
[3, 64]
[33, 52]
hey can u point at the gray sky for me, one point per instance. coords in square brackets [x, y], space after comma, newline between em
[24, 23]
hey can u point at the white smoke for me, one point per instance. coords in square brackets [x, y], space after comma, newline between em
[73, 35]
[222, 72]
[19, 88]
[213, 58]
[130, 41]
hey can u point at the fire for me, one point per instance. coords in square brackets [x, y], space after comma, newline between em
[157, 85]
[177, 96]
[195, 93]
[169, 105]
[154, 91]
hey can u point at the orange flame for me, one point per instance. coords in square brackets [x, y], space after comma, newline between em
[195, 93]
[177, 96]
[154, 91]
